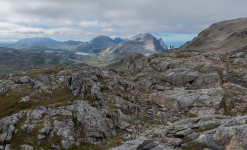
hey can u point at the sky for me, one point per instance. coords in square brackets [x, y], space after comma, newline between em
[172, 20]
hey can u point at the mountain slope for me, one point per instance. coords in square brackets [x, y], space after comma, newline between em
[221, 37]
[15, 60]
[145, 44]
[98, 44]
[163, 44]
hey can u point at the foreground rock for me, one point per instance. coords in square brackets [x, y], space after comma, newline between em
[174, 100]
[212, 132]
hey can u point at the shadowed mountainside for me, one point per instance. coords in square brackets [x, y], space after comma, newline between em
[16, 60]
[98, 44]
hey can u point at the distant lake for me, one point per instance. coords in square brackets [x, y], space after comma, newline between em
[85, 54]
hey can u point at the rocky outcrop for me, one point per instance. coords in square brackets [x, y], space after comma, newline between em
[180, 77]
[7, 128]
[71, 123]
[143, 143]
[6, 85]
[23, 80]
[208, 132]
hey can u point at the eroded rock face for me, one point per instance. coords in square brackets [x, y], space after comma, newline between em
[6, 85]
[39, 81]
[23, 80]
[143, 143]
[208, 132]
[207, 81]
[7, 127]
[94, 123]
[180, 77]
[70, 123]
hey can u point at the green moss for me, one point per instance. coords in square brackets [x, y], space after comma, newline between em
[148, 120]
[115, 71]
[79, 128]
[140, 77]
[105, 88]
[47, 143]
[25, 138]
[10, 104]
[150, 103]
[206, 129]
[151, 122]
[110, 105]
[9, 101]
[189, 114]
[86, 146]
[104, 145]
[63, 117]
[194, 146]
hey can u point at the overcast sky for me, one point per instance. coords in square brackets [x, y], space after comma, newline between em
[173, 20]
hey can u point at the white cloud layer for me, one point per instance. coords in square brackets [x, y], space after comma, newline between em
[87, 18]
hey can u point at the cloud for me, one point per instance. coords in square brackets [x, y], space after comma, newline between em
[83, 18]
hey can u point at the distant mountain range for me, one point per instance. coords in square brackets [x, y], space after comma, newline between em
[96, 45]
[144, 44]
[42, 51]
[30, 42]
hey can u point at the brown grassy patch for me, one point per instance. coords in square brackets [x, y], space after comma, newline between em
[10, 104]
[25, 138]
[104, 145]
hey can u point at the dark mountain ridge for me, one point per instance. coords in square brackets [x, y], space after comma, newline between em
[98, 44]
[29, 42]
[12, 60]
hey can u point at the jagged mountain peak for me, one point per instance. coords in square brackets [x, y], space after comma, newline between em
[145, 44]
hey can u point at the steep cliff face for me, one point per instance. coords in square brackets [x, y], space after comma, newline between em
[163, 44]
[221, 37]
[144, 44]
